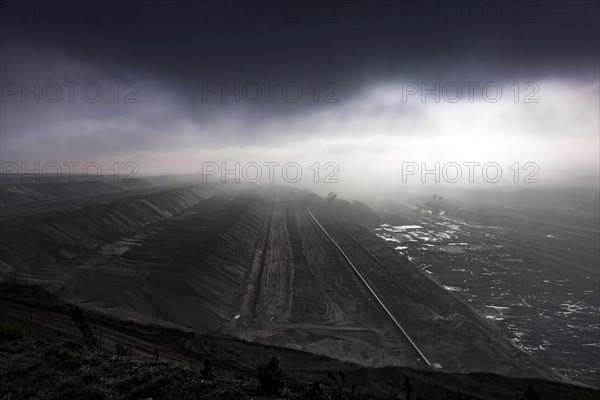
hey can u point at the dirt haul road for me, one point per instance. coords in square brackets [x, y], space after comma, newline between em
[301, 293]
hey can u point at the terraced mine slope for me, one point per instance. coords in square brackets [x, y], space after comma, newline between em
[273, 266]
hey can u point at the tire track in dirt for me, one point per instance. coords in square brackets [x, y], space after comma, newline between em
[249, 303]
[308, 302]
[276, 285]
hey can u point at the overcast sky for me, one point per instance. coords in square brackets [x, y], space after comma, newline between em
[302, 81]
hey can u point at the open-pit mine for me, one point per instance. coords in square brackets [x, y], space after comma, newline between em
[273, 265]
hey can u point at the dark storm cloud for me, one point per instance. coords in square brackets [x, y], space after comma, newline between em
[186, 43]
[176, 52]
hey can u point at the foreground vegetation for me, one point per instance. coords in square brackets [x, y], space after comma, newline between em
[48, 368]
[34, 366]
